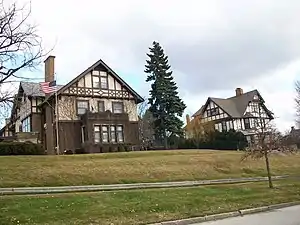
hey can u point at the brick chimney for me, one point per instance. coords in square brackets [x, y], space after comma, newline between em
[238, 91]
[188, 120]
[49, 68]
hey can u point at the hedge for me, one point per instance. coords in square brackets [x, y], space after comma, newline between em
[229, 140]
[21, 148]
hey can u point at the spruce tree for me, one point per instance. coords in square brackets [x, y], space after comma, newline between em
[165, 104]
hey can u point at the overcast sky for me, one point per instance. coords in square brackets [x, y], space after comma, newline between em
[214, 46]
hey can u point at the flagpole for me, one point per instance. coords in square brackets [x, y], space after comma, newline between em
[56, 122]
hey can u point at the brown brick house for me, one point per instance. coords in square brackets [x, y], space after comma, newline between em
[96, 110]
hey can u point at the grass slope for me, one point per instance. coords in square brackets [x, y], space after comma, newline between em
[141, 206]
[16, 171]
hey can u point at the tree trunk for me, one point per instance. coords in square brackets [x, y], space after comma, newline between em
[268, 169]
[165, 141]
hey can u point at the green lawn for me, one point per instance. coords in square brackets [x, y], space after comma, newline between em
[141, 206]
[131, 167]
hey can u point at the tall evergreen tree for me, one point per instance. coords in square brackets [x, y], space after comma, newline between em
[165, 104]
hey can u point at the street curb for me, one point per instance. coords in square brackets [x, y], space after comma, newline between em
[221, 216]
[114, 187]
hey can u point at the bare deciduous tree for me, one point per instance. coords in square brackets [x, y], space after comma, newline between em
[199, 131]
[146, 131]
[297, 100]
[20, 46]
[267, 140]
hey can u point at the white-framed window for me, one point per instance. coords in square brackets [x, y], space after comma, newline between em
[108, 133]
[96, 82]
[97, 134]
[113, 134]
[117, 107]
[120, 133]
[104, 134]
[104, 82]
[82, 106]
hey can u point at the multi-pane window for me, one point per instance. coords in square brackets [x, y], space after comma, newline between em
[97, 134]
[254, 107]
[106, 133]
[120, 134]
[247, 123]
[82, 107]
[117, 107]
[213, 112]
[26, 125]
[101, 107]
[104, 82]
[96, 82]
[113, 134]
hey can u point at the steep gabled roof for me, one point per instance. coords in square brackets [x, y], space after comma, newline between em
[199, 112]
[236, 106]
[100, 62]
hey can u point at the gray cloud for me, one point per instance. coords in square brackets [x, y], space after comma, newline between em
[245, 46]
[212, 45]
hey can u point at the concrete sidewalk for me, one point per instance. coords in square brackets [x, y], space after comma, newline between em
[279, 214]
[283, 216]
[112, 187]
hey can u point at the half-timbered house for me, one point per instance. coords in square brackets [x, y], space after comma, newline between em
[95, 110]
[240, 112]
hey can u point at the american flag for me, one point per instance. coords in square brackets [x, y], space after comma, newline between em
[48, 87]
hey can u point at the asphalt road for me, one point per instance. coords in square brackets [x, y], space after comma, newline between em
[284, 216]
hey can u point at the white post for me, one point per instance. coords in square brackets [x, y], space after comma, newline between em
[56, 122]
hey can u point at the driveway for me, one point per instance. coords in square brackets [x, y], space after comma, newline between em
[284, 216]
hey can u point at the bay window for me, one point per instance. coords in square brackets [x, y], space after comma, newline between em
[108, 134]
[104, 133]
[120, 134]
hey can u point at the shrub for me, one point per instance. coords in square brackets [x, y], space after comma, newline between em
[80, 151]
[105, 149]
[68, 152]
[121, 148]
[21, 148]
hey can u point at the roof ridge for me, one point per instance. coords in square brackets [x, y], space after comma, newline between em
[30, 82]
[242, 94]
[218, 98]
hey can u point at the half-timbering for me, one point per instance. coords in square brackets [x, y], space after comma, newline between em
[240, 112]
[96, 110]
